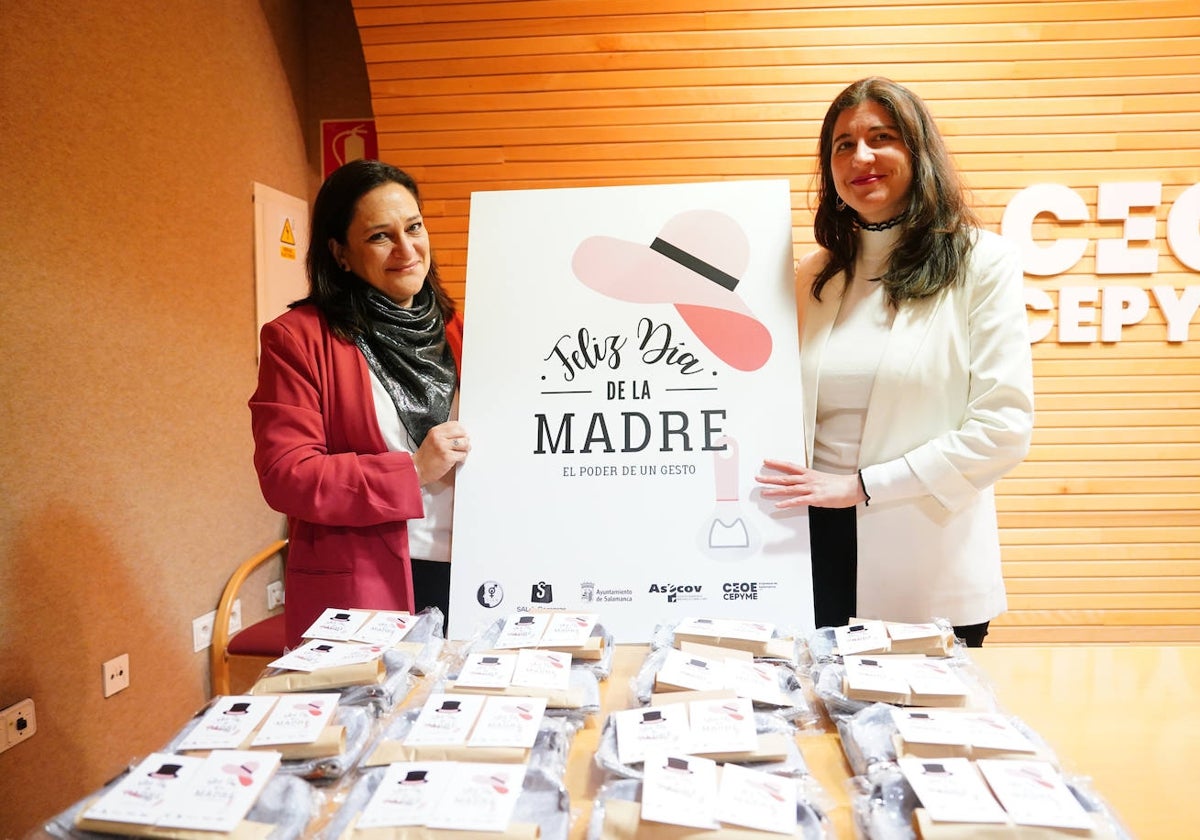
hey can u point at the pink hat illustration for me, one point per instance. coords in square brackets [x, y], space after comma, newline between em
[695, 263]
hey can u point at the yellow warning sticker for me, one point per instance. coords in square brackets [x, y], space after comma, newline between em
[287, 237]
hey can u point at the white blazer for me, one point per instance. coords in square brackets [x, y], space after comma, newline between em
[950, 412]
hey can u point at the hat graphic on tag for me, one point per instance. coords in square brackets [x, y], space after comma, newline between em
[678, 764]
[166, 771]
[695, 263]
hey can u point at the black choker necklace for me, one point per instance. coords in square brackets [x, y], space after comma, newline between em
[890, 223]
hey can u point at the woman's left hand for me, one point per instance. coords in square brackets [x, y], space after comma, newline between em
[800, 486]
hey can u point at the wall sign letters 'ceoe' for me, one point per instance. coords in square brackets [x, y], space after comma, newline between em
[1136, 252]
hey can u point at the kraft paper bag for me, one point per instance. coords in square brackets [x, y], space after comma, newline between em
[342, 676]
[927, 829]
[246, 830]
[623, 821]
[389, 752]
[515, 831]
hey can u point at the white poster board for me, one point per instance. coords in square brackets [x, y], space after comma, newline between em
[280, 246]
[630, 357]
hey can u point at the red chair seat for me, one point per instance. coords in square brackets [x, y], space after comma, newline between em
[264, 638]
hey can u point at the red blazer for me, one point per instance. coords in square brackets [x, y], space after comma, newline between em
[321, 461]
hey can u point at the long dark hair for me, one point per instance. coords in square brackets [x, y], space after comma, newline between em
[937, 228]
[341, 295]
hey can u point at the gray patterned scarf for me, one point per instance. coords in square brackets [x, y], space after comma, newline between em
[407, 350]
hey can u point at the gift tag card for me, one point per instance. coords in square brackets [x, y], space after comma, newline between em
[757, 800]
[680, 790]
[690, 671]
[1034, 793]
[522, 630]
[487, 670]
[664, 728]
[991, 731]
[445, 719]
[228, 723]
[862, 635]
[870, 673]
[934, 676]
[754, 631]
[297, 719]
[951, 790]
[481, 797]
[508, 722]
[221, 791]
[930, 726]
[386, 629]
[316, 654]
[910, 632]
[569, 629]
[726, 628]
[537, 668]
[693, 626]
[408, 794]
[337, 625]
[142, 795]
[718, 726]
[757, 680]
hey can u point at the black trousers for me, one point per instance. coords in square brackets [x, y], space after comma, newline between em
[431, 586]
[833, 543]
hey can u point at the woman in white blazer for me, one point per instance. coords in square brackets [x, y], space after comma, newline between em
[917, 376]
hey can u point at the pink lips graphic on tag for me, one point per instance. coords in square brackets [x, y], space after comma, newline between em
[695, 264]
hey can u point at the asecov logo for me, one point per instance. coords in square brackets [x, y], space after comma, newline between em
[673, 591]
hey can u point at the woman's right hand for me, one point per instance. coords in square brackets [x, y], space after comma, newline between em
[445, 446]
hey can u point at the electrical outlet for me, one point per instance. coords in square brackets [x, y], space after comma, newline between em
[116, 674]
[235, 616]
[274, 594]
[17, 724]
[202, 628]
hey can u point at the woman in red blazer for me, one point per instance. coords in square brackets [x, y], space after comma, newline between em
[354, 414]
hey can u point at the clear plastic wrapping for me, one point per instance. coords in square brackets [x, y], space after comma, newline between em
[485, 639]
[798, 709]
[882, 806]
[792, 764]
[787, 647]
[827, 680]
[548, 753]
[868, 738]
[287, 803]
[811, 809]
[544, 801]
[359, 724]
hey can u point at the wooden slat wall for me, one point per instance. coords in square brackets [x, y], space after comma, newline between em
[1101, 530]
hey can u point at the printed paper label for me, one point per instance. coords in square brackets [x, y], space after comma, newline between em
[445, 719]
[951, 790]
[508, 722]
[680, 789]
[537, 668]
[756, 799]
[228, 723]
[297, 719]
[337, 625]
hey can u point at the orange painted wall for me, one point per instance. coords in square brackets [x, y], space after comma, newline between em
[1101, 527]
[132, 133]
